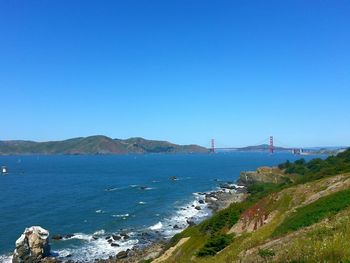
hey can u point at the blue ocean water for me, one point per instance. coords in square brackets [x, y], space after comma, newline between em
[104, 194]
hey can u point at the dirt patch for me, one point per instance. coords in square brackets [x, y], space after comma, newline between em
[334, 184]
[255, 217]
[170, 251]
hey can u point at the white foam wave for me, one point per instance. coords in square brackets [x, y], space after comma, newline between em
[100, 232]
[82, 236]
[193, 211]
[122, 215]
[146, 188]
[93, 249]
[6, 258]
[142, 203]
[111, 189]
[157, 226]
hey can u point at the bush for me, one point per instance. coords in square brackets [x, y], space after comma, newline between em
[258, 191]
[224, 219]
[214, 245]
[318, 168]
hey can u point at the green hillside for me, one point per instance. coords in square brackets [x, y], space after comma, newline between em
[303, 219]
[96, 145]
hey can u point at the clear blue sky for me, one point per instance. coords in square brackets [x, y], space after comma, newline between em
[184, 71]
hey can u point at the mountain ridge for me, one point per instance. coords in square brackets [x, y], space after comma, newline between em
[96, 144]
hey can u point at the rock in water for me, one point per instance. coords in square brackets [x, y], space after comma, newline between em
[190, 223]
[57, 237]
[122, 254]
[32, 246]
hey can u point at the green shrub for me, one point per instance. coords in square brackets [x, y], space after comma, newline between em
[214, 245]
[258, 190]
[224, 219]
[318, 168]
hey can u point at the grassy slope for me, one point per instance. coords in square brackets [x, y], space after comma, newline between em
[328, 240]
[313, 213]
[307, 216]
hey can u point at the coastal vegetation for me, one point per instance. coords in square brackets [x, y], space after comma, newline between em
[317, 168]
[304, 218]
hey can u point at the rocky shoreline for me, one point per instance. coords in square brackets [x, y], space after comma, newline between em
[227, 194]
[216, 200]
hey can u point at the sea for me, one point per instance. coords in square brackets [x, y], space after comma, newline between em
[87, 198]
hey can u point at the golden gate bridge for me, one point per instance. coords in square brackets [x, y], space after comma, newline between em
[271, 147]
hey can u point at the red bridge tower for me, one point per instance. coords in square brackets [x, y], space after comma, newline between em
[212, 149]
[271, 144]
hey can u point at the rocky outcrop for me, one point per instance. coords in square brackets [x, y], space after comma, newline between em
[218, 200]
[262, 175]
[32, 246]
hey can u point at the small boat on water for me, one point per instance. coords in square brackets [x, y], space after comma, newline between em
[3, 170]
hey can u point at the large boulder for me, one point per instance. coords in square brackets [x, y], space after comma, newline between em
[32, 246]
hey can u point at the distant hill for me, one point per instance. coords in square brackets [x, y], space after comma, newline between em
[302, 151]
[262, 147]
[96, 145]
